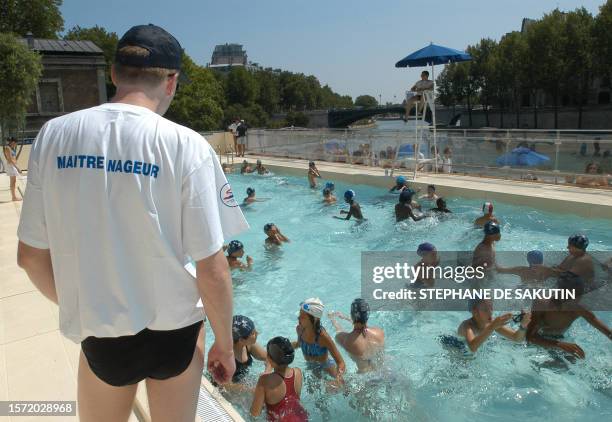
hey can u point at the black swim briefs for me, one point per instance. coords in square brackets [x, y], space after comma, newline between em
[126, 360]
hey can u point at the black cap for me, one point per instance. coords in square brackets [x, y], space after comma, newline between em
[280, 350]
[165, 51]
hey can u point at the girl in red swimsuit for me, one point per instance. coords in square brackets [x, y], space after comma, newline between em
[280, 389]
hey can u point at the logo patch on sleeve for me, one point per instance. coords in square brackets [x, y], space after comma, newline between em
[227, 196]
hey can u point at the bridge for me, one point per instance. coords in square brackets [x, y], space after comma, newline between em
[343, 118]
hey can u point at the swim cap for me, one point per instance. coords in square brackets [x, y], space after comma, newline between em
[406, 196]
[360, 311]
[326, 191]
[491, 227]
[258, 161]
[487, 207]
[441, 203]
[280, 351]
[242, 327]
[349, 194]
[535, 257]
[400, 180]
[330, 185]
[245, 162]
[267, 227]
[313, 306]
[234, 246]
[311, 163]
[250, 191]
[579, 240]
[432, 187]
[424, 248]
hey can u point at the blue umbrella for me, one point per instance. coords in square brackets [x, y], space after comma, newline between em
[522, 157]
[433, 54]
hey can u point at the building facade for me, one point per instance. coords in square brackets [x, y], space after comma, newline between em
[226, 56]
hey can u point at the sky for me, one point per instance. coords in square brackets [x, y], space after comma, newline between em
[351, 45]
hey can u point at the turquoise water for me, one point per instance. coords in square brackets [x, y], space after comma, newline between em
[422, 381]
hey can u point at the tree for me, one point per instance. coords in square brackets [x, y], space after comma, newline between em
[481, 72]
[602, 35]
[366, 101]
[198, 105]
[444, 86]
[241, 86]
[107, 41]
[40, 17]
[20, 69]
[269, 91]
[510, 73]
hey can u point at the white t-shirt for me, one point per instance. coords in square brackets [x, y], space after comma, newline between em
[123, 198]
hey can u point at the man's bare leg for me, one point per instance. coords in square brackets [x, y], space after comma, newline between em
[13, 180]
[175, 399]
[410, 104]
[99, 401]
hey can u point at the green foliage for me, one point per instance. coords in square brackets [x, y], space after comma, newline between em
[242, 87]
[40, 17]
[366, 101]
[20, 69]
[198, 105]
[602, 34]
[297, 119]
[107, 41]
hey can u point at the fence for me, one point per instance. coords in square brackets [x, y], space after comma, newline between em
[560, 157]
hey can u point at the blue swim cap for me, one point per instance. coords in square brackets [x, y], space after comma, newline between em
[349, 194]
[250, 191]
[267, 227]
[330, 185]
[579, 240]
[242, 327]
[406, 196]
[425, 247]
[535, 257]
[400, 180]
[234, 246]
[491, 227]
[360, 311]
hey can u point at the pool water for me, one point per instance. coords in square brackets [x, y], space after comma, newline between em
[421, 381]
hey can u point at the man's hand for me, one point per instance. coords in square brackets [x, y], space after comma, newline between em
[221, 364]
[572, 348]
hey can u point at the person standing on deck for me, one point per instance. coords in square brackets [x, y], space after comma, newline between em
[118, 199]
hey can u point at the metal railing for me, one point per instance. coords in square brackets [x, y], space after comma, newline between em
[583, 158]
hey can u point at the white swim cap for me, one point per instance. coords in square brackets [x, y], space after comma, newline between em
[313, 306]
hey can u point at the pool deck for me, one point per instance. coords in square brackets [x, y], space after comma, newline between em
[586, 202]
[36, 361]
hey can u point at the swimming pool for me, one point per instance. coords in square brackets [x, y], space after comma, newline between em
[422, 380]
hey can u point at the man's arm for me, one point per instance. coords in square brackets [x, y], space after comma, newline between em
[37, 264]
[215, 287]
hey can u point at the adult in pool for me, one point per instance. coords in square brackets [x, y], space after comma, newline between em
[484, 254]
[328, 197]
[313, 172]
[578, 261]
[280, 389]
[364, 344]
[245, 167]
[441, 207]
[315, 342]
[354, 209]
[404, 208]
[487, 209]
[553, 317]
[275, 237]
[235, 251]
[534, 272]
[260, 168]
[479, 328]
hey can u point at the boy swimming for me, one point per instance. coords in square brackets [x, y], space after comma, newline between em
[431, 194]
[441, 207]
[354, 210]
[313, 172]
[364, 344]
[280, 390]
[533, 272]
[404, 208]
[484, 254]
[578, 261]
[235, 251]
[479, 328]
[553, 317]
[487, 209]
[275, 237]
[328, 197]
[260, 169]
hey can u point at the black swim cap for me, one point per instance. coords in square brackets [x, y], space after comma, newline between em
[360, 311]
[242, 327]
[268, 227]
[580, 241]
[280, 351]
[491, 227]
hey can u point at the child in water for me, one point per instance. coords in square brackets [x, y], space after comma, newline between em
[431, 194]
[484, 254]
[235, 251]
[487, 210]
[328, 197]
[354, 210]
[275, 237]
[280, 390]
[313, 172]
[441, 206]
